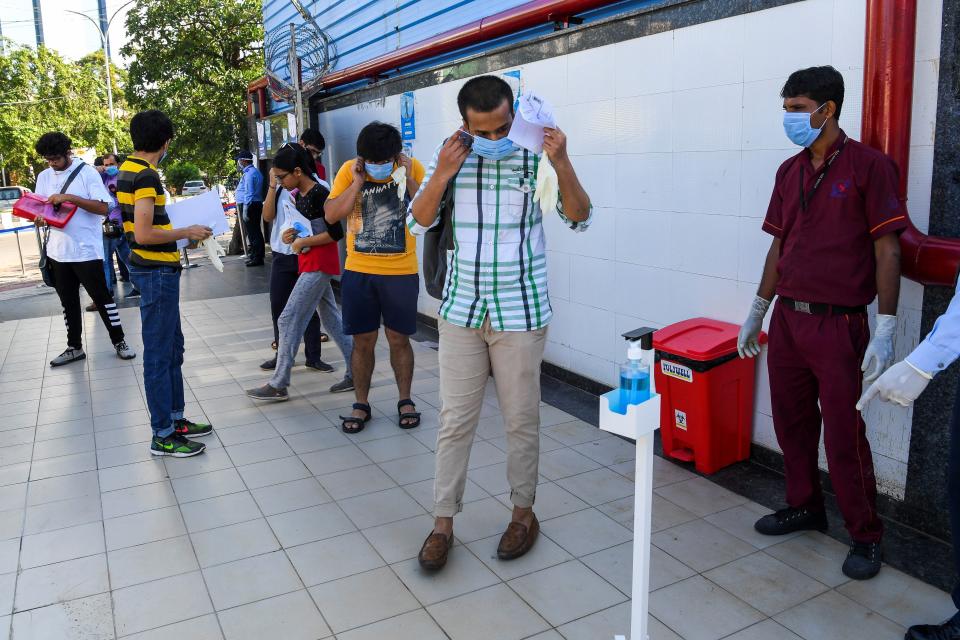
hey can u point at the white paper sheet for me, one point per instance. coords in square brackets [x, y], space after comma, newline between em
[205, 209]
[533, 114]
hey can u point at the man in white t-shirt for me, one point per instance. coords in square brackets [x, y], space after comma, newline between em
[75, 252]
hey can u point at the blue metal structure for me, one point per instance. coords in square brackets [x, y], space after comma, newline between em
[38, 22]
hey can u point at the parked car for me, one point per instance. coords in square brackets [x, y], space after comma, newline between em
[193, 187]
[8, 196]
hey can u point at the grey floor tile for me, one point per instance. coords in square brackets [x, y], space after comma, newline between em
[292, 616]
[740, 520]
[140, 528]
[481, 519]
[62, 446]
[210, 460]
[701, 545]
[11, 524]
[423, 492]
[123, 455]
[159, 603]
[615, 565]
[697, 609]
[766, 630]
[333, 460]
[234, 542]
[494, 612]
[483, 454]
[374, 509]
[552, 501]
[316, 440]
[416, 625]
[310, 524]
[82, 427]
[545, 553]
[573, 433]
[132, 475]
[260, 451]
[602, 624]
[62, 488]
[203, 628]
[83, 619]
[700, 496]
[462, 574]
[334, 558]
[264, 474]
[566, 592]
[411, 469]
[385, 449]
[355, 482]
[144, 497]
[290, 496]
[62, 544]
[208, 485]
[63, 581]
[382, 593]
[122, 437]
[247, 433]
[152, 561]
[14, 474]
[9, 554]
[400, 540]
[15, 454]
[220, 511]
[666, 570]
[667, 515]
[492, 479]
[816, 555]
[833, 616]
[13, 496]
[230, 584]
[765, 583]
[59, 515]
[585, 532]
[597, 487]
[63, 466]
[901, 598]
[8, 583]
[608, 451]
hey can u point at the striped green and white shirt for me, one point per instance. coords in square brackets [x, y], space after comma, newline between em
[498, 265]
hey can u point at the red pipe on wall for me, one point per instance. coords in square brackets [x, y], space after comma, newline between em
[522, 17]
[887, 106]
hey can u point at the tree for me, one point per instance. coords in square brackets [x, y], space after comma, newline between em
[179, 172]
[193, 59]
[40, 92]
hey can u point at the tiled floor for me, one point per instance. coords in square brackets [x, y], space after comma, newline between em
[286, 528]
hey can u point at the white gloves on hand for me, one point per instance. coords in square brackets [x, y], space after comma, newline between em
[879, 354]
[399, 176]
[748, 342]
[901, 384]
[214, 251]
[547, 190]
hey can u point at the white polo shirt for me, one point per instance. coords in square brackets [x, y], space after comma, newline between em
[82, 239]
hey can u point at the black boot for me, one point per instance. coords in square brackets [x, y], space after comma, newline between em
[789, 520]
[949, 630]
[863, 561]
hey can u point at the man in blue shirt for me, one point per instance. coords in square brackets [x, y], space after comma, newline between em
[249, 197]
[902, 384]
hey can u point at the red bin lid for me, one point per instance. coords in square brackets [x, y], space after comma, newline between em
[700, 339]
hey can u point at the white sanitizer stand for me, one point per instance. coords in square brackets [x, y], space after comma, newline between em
[639, 424]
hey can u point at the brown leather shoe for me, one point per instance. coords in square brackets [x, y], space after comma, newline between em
[433, 553]
[517, 540]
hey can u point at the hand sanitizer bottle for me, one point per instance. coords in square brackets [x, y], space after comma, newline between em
[634, 377]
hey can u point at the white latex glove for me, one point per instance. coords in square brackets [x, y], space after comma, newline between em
[547, 190]
[214, 251]
[901, 384]
[399, 176]
[879, 354]
[748, 342]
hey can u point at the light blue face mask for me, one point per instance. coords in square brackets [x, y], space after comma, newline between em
[493, 149]
[378, 171]
[112, 170]
[798, 129]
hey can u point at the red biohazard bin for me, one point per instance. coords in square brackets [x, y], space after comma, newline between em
[706, 411]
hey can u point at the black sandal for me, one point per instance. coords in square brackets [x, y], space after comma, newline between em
[353, 424]
[409, 415]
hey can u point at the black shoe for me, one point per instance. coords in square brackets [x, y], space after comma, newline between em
[70, 355]
[266, 392]
[319, 365]
[176, 446]
[255, 263]
[269, 365]
[864, 560]
[344, 385]
[949, 630]
[190, 429]
[91, 307]
[134, 294]
[789, 520]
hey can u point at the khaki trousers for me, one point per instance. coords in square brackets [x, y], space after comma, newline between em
[467, 357]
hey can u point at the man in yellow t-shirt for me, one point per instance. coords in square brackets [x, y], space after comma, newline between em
[381, 278]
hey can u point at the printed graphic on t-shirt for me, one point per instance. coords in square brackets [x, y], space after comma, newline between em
[379, 221]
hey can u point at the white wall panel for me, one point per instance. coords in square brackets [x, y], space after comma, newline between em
[677, 137]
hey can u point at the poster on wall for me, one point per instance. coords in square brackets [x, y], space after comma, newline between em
[261, 145]
[292, 125]
[515, 81]
[267, 136]
[408, 126]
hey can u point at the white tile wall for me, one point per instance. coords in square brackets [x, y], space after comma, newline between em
[677, 137]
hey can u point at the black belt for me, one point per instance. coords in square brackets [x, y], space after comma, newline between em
[818, 309]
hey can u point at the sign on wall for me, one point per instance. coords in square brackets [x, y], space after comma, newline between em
[408, 126]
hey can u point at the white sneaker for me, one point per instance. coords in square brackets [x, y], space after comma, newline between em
[68, 356]
[124, 352]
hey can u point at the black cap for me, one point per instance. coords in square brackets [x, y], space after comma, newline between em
[244, 155]
[644, 335]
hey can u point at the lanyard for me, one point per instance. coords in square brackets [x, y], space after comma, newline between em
[805, 197]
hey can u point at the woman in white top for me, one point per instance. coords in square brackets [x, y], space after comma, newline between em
[75, 252]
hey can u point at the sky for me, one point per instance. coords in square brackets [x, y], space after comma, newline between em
[68, 33]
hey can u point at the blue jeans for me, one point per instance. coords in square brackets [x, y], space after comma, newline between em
[162, 344]
[122, 249]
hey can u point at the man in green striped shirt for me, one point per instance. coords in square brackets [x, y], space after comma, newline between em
[495, 307]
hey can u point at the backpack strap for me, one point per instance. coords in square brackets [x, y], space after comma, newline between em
[66, 185]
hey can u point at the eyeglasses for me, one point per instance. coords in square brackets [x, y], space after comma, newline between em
[280, 178]
[52, 159]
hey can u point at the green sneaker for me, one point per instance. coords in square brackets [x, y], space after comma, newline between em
[191, 429]
[175, 445]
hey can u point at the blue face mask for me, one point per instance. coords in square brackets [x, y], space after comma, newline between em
[112, 170]
[378, 171]
[493, 149]
[798, 129]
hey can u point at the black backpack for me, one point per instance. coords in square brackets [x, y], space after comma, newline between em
[437, 243]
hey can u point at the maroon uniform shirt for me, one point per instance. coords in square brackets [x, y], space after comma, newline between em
[826, 249]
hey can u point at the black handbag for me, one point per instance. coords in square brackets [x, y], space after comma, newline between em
[112, 230]
[437, 243]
